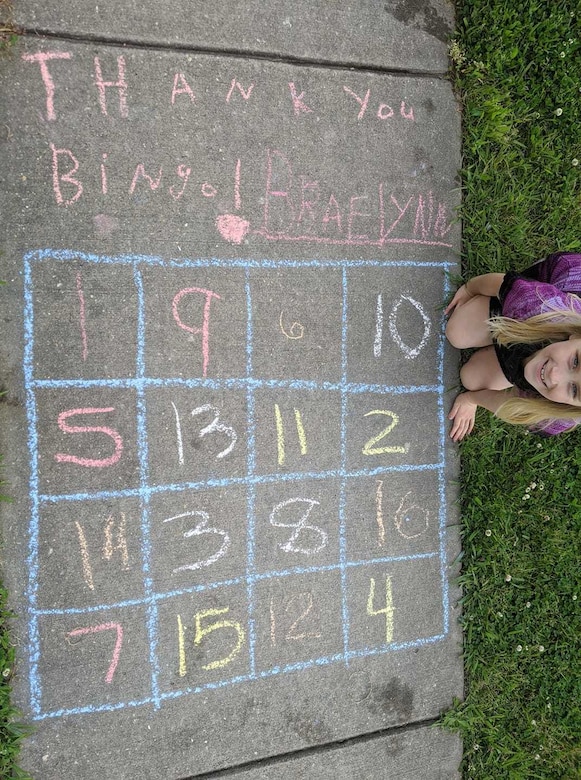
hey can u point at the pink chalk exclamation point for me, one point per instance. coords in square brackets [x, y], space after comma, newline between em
[230, 226]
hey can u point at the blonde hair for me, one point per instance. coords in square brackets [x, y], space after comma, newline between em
[542, 329]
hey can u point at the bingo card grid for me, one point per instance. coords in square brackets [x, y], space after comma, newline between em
[242, 638]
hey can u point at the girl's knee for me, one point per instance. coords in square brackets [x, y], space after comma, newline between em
[456, 334]
[470, 377]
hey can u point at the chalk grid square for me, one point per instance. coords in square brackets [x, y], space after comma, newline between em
[243, 597]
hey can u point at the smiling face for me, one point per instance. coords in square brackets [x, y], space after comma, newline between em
[555, 372]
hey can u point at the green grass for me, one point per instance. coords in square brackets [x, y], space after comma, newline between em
[12, 730]
[8, 32]
[517, 71]
[520, 494]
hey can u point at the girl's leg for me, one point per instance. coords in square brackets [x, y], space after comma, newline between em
[467, 324]
[483, 372]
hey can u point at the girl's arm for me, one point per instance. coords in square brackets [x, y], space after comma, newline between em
[463, 411]
[487, 284]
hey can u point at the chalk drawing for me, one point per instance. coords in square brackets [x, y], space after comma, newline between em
[377, 342]
[216, 427]
[110, 547]
[294, 618]
[301, 602]
[85, 557]
[409, 352]
[301, 526]
[68, 177]
[180, 442]
[42, 57]
[370, 449]
[201, 529]
[407, 522]
[183, 668]
[280, 440]
[237, 85]
[117, 627]
[295, 332]
[120, 85]
[388, 610]
[61, 457]
[379, 513]
[184, 89]
[204, 330]
[299, 106]
[203, 631]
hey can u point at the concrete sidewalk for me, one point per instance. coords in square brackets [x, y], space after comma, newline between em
[230, 230]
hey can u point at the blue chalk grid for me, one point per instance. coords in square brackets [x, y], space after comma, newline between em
[348, 472]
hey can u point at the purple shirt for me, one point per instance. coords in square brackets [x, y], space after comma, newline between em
[554, 283]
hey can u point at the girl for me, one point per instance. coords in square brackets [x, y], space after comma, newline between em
[527, 328]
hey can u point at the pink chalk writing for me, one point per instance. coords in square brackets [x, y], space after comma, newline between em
[278, 175]
[185, 89]
[299, 107]
[205, 328]
[42, 57]
[67, 177]
[104, 187]
[120, 84]
[183, 172]
[61, 457]
[82, 315]
[232, 228]
[362, 101]
[237, 85]
[368, 217]
[118, 628]
[237, 201]
[384, 111]
[141, 174]
[208, 190]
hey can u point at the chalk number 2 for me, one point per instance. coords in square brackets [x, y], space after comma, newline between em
[371, 449]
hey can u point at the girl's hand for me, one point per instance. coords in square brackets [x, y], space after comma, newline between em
[461, 296]
[463, 413]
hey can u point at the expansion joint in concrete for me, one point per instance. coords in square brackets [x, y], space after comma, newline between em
[231, 53]
[281, 758]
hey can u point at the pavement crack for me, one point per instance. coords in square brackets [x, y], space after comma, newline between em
[261, 56]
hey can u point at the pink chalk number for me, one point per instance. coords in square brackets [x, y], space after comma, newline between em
[118, 642]
[62, 457]
[205, 329]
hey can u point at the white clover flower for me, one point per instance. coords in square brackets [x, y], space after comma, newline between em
[574, 597]
[508, 578]
[558, 111]
[528, 605]
[562, 55]
[541, 649]
[519, 648]
[488, 532]
[537, 757]
[575, 162]
[533, 722]
[499, 614]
